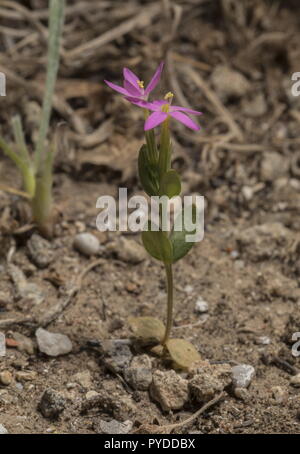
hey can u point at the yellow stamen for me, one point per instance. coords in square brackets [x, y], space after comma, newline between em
[165, 108]
[140, 83]
[169, 95]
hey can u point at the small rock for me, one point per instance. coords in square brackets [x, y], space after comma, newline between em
[87, 244]
[26, 376]
[5, 378]
[2, 345]
[209, 380]
[274, 165]
[229, 83]
[263, 340]
[201, 306]
[255, 107]
[116, 354]
[39, 251]
[295, 381]
[51, 404]
[83, 378]
[129, 251]
[53, 344]
[139, 374]
[188, 289]
[24, 343]
[242, 394]
[3, 430]
[242, 375]
[91, 394]
[280, 395]
[169, 390]
[115, 427]
[25, 290]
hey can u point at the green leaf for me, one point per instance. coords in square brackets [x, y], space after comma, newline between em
[182, 352]
[148, 172]
[148, 329]
[158, 245]
[170, 184]
[178, 238]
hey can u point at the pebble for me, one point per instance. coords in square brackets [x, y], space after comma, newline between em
[39, 251]
[295, 381]
[114, 427]
[263, 340]
[242, 394]
[83, 378]
[280, 395]
[53, 344]
[139, 374]
[3, 430]
[274, 165]
[52, 404]
[242, 375]
[208, 381]
[2, 345]
[91, 394]
[26, 376]
[117, 354]
[87, 244]
[128, 250]
[24, 343]
[201, 306]
[5, 378]
[229, 83]
[169, 389]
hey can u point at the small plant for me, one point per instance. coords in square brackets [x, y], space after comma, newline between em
[36, 168]
[159, 179]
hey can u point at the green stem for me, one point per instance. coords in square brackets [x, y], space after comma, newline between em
[165, 149]
[19, 137]
[56, 20]
[150, 140]
[169, 275]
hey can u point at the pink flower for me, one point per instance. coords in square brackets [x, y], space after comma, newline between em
[133, 87]
[163, 109]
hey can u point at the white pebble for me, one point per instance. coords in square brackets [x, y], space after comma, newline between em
[87, 244]
[201, 306]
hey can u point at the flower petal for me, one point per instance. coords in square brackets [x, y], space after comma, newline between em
[154, 119]
[155, 79]
[131, 77]
[117, 88]
[132, 89]
[184, 109]
[144, 104]
[185, 120]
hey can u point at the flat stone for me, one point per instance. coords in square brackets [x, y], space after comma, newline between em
[201, 306]
[3, 430]
[5, 378]
[53, 344]
[52, 404]
[169, 389]
[116, 354]
[26, 376]
[130, 251]
[83, 378]
[242, 375]
[87, 244]
[209, 380]
[40, 251]
[115, 427]
[139, 374]
[2, 344]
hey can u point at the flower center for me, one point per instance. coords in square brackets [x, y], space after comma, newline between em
[140, 83]
[168, 97]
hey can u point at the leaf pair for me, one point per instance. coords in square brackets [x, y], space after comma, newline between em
[151, 330]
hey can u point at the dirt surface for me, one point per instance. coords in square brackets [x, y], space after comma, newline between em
[245, 161]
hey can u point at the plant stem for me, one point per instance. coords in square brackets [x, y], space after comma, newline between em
[165, 149]
[56, 15]
[169, 274]
[150, 140]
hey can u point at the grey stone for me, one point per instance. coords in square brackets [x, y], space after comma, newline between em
[83, 378]
[209, 380]
[169, 389]
[130, 251]
[201, 306]
[39, 251]
[52, 404]
[53, 344]
[87, 244]
[242, 375]
[2, 344]
[116, 354]
[139, 374]
[115, 427]
[229, 83]
[263, 340]
[3, 430]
